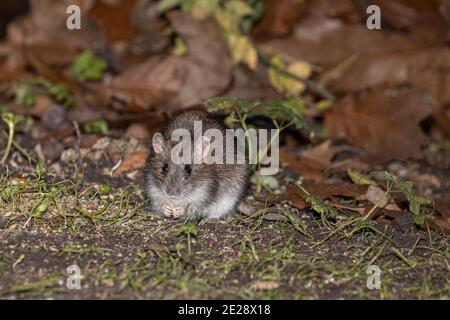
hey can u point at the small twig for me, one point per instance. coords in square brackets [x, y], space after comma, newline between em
[78, 144]
[115, 167]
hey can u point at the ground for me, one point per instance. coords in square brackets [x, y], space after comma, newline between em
[102, 225]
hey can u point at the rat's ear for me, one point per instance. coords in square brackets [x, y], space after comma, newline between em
[158, 142]
[201, 147]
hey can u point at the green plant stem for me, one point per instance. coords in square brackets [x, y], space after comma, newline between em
[9, 143]
[24, 152]
[266, 149]
[189, 244]
[376, 205]
[410, 264]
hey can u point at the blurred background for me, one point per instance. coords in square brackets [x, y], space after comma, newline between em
[370, 97]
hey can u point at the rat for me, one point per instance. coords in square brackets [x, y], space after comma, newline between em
[189, 188]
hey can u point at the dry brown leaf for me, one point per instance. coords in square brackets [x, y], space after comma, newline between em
[341, 41]
[357, 58]
[308, 169]
[115, 19]
[383, 122]
[37, 29]
[143, 86]
[322, 153]
[424, 67]
[206, 68]
[376, 196]
[133, 162]
[251, 85]
[403, 14]
[442, 205]
[279, 18]
[442, 221]
[138, 131]
[325, 191]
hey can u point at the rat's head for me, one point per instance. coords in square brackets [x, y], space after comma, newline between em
[174, 181]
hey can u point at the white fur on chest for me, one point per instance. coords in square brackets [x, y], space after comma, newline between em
[220, 206]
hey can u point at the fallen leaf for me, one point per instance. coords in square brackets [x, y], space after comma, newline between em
[138, 131]
[279, 18]
[115, 18]
[324, 191]
[242, 50]
[306, 168]
[285, 84]
[396, 68]
[357, 58]
[359, 178]
[322, 153]
[383, 122]
[133, 162]
[442, 221]
[376, 196]
[442, 205]
[145, 85]
[251, 85]
[206, 69]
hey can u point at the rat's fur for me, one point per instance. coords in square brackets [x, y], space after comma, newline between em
[211, 191]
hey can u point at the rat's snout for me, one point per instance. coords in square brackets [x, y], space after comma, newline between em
[172, 190]
[172, 187]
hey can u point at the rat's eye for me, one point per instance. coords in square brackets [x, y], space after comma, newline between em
[188, 169]
[165, 168]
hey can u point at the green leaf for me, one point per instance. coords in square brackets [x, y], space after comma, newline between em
[270, 182]
[6, 193]
[239, 8]
[323, 105]
[188, 228]
[40, 209]
[24, 94]
[218, 104]
[97, 126]
[104, 188]
[230, 120]
[12, 119]
[61, 94]
[385, 175]
[166, 5]
[320, 206]
[40, 170]
[88, 67]
[359, 178]
[419, 219]
[284, 110]
[202, 9]
[180, 47]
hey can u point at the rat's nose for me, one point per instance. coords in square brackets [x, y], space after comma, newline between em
[172, 190]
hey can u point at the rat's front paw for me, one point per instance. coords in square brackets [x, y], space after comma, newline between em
[170, 210]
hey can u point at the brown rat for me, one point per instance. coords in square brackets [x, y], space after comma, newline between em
[189, 188]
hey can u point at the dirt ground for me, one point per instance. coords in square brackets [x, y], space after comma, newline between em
[101, 224]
